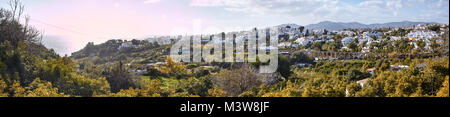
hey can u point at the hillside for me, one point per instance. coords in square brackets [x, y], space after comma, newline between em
[120, 50]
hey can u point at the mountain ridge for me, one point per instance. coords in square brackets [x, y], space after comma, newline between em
[330, 25]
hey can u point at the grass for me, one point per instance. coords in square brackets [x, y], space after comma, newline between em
[167, 82]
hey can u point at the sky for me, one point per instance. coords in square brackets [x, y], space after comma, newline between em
[68, 25]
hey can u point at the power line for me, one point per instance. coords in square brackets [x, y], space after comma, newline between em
[58, 27]
[62, 28]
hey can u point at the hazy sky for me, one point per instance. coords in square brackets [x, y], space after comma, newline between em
[69, 25]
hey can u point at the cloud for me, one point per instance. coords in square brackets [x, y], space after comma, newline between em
[372, 3]
[394, 5]
[207, 3]
[382, 5]
[337, 10]
[441, 3]
[151, 1]
[265, 6]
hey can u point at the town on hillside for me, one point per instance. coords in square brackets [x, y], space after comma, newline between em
[420, 39]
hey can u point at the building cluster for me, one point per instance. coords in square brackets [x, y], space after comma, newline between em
[364, 37]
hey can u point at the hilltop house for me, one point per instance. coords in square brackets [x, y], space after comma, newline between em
[127, 44]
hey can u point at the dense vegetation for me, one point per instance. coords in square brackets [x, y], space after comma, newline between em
[28, 69]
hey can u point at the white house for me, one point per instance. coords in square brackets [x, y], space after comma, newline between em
[126, 44]
[303, 41]
[347, 40]
[284, 44]
[370, 34]
[426, 35]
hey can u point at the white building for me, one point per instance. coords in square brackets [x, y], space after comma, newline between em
[348, 33]
[303, 41]
[371, 34]
[347, 40]
[284, 44]
[127, 44]
[426, 35]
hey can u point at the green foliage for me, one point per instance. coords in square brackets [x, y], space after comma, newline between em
[110, 52]
[355, 75]
[194, 86]
[120, 78]
[352, 89]
[300, 57]
[216, 92]
[403, 46]
[153, 72]
[408, 83]
[353, 45]
[443, 92]
[284, 64]
[290, 89]
[39, 88]
[317, 46]
[399, 32]
[28, 69]
[421, 44]
[435, 28]
[151, 88]
[174, 69]
[76, 85]
[332, 46]
[3, 86]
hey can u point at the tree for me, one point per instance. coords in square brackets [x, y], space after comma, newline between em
[301, 28]
[172, 68]
[333, 46]
[119, 78]
[149, 88]
[352, 89]
[236, 81]
[151, 71]
[196, 86]
[13, 31]
[435, 28]
[373, 37]
[443, 92]
[3, 90]
[421, 44]
[317, 46]
[284, 64]
[216, 92]
[403, 46]
[355, 75]
[300, 57]
[307, 33]
[353, 46]
[434, 45]
[39, 88]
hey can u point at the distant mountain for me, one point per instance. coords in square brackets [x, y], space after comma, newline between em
[355, 25]
[291, 25]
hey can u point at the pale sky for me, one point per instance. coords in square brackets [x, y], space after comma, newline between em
[68, 25]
